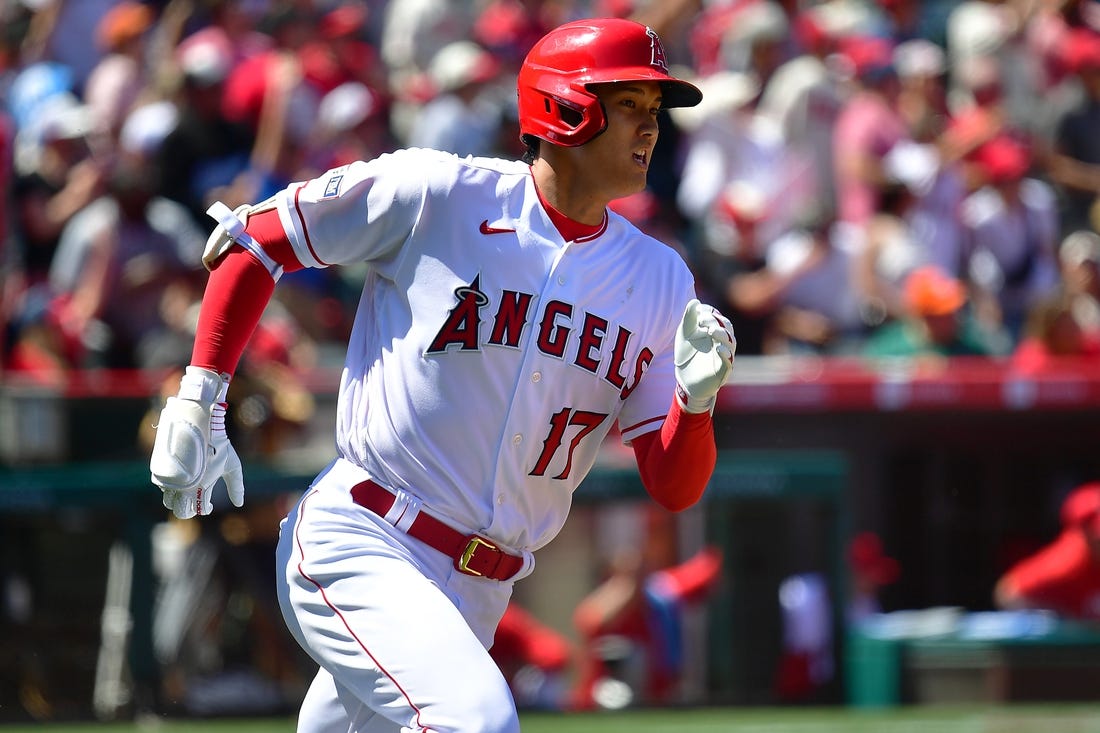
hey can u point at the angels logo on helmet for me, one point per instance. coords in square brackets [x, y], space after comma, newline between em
[657, 57]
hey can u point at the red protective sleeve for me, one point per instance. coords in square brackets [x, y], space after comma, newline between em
[677, 461]
[236, 295]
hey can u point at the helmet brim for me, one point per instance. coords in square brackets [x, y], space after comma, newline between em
[674, 92]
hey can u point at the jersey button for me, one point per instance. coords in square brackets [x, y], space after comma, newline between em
[517, 439]
[500, 498]
[536, 377]
[561, 280]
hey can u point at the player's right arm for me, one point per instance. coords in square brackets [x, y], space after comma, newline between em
[359, 212]
[192, 451]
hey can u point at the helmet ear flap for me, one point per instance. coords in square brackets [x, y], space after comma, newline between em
[570, 122]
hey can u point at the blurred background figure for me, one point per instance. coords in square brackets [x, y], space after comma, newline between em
[937, 322]
[807, 284]
[1052, 336]
[465, 113]
[806, 664]
[1011, 224]
[1079, 257]
[205, 149]
[870, 570]
[803, 98]
[114, 261]
[534, 658]
[1074, 158]
[352, 124]
[125, 71]
[1064, 575]
[916, 224]
[630, 629]
[868, 126]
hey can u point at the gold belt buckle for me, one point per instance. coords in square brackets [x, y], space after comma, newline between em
[468, 554]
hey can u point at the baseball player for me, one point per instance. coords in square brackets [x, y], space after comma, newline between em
[508, 320]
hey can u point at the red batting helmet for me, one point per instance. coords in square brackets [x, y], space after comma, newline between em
[555, 103]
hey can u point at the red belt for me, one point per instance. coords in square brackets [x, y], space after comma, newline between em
[472, 554]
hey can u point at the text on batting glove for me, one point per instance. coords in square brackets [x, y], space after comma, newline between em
[192, 451]
[705, 346]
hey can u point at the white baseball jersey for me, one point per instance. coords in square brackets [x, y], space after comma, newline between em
[489, 358]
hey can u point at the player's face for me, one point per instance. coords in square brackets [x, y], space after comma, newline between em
[620, 156]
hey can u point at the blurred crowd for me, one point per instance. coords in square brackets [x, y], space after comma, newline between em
[863, 177]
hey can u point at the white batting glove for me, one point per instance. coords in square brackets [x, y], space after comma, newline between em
[192, 451]
[705, 346]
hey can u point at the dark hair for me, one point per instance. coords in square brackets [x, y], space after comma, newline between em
[532, 151]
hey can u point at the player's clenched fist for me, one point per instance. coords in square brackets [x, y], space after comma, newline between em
[705, 346]
[192, 450]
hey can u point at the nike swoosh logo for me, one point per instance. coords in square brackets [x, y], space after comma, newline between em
[486, 229]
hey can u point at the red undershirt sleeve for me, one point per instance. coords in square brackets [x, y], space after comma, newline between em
[237, 292]
[677, 461]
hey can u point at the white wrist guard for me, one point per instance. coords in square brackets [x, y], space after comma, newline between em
[192, 452]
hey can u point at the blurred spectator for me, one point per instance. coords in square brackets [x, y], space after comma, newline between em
[744, 36]
[205, 149]
[340, 52]
[756, 39]
[351, 125]
[986, 40]
[465, 114]
[229, 28]
[731, 253]
[1011, 224]
[280, 155]
[114, 260]
[729, 147]
[290, 27]
[901, 19]
[630, 626]
[922, 100]
[806, 284]
[62, 31]
[508, 28]
[917, 224]
[977, 120]
[868, 126]
[32, 86]
[1074, 163]
[870, 570]
[1079, 257]
[1064, 575]
[1052, 335]
[806, 663]
[145, 129]
[534, 658]
[413, 32]
[274, 408]
[803, 98]
[57, 175]
[936, 323]
[120, 77]
[720, 146]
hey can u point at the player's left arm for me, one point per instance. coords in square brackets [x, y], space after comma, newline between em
[676, 461]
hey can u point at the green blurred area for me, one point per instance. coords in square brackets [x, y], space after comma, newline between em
[964, 719]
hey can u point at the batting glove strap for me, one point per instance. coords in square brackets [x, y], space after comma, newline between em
[231, 230]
